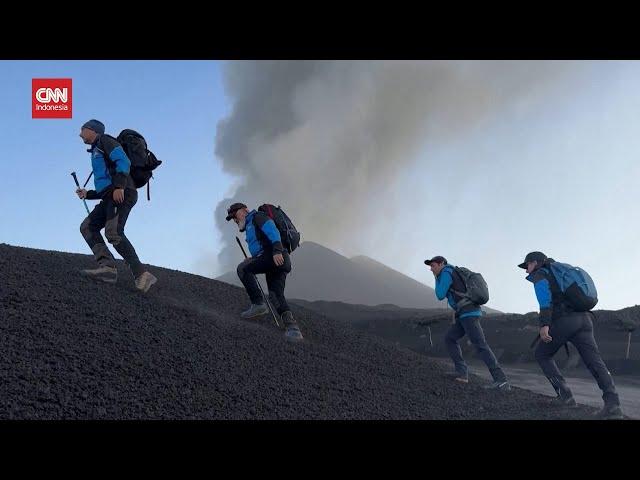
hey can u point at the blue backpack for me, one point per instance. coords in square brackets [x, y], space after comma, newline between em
[576, 285]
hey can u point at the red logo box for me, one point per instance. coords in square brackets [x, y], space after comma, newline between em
[51, 98]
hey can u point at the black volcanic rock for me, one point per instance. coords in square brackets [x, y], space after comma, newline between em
[76, 349]
[509, 335]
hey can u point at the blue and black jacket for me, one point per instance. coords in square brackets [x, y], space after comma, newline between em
[110, 167]
[446, 282]
[262, 234]
[550, 297]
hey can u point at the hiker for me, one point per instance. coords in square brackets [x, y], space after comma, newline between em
[561, 322]
[268, 256]
[450, 284]
[117, 193]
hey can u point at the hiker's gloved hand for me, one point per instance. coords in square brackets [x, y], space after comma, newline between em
[82, 193]
[544, 334]
[278, 259]
[118, 195]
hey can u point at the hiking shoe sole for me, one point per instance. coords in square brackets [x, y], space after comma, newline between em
[259, 313]
[457, 377]
[569, 403]
[100, 278]
[294, 335]
[502, 387]
[611, 415]
[151, 280]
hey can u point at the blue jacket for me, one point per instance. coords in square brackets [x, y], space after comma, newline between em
[260, 233]
[115, 173]
[550, 298]
[444, 281]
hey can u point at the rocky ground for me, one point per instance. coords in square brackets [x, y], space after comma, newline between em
[510, 335]
[75, 349]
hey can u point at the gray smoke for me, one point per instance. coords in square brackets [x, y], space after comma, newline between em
[327, 139]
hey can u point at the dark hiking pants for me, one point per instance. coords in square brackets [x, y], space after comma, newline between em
[276, 278]
[470, 326]
[576, 328]
[112, 217]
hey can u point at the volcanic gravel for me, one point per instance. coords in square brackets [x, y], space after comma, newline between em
[509, 335]
[73, 348]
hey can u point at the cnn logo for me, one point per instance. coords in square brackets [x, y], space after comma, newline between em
[51, 98]
[57, 95]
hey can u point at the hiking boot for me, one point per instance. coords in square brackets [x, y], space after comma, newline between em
[293, 333]
[105, 274]
[565, 401]
[564, 396]
[458, 377]
[144, 281]
[501, 385]
[610, 412]
[255, 311]
[287, 318]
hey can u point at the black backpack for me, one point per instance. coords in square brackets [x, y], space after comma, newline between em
[288, 232]
[143, 161]
[477, 289]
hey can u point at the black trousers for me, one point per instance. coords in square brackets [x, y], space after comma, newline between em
[471, 327]
[576, 328]
[112, 217]
[276, 278]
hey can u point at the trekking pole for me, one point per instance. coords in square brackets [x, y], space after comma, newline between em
[73, 174]
[88, 178]
[260, 286]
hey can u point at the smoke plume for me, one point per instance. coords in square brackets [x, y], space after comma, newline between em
[327, 139]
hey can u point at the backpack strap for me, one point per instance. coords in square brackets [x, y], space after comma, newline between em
[261, 236]
[554, 286]
[111, 167]
[462, 300]
[455, 272]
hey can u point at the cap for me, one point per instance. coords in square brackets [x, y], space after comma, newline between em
[231, 211]
[533, 257]
[436, 259]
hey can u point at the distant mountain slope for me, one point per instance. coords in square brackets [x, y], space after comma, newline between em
[322, 274]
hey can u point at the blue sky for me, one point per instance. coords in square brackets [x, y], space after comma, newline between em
[558, 173]
[174, 104]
